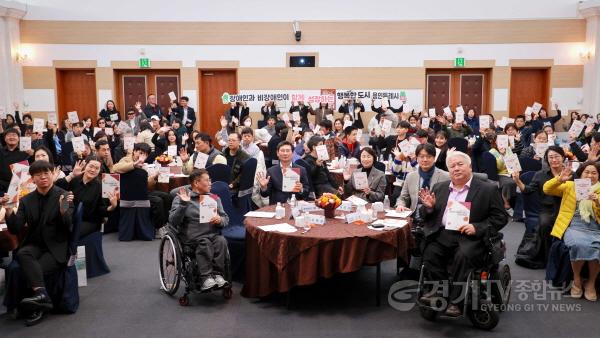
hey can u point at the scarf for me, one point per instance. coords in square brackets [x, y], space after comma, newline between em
[426, 177]
[350, 147]
[587, 207]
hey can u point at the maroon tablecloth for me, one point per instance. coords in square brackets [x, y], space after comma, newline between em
[276, 262]
[174, 182]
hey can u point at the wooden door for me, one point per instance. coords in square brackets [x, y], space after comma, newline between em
[134, 90]
[471, 92]
[213, 83]
[164, 85]
[76, 91]
[526, 87]
[438, 91]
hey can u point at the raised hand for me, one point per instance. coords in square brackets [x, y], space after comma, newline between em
[138, 105]
[183, 154]
[184, 195]
[113, 198]
[297, 187]
[566, 173]
[78, 168]
[427, 197]
[263, 180]
[184, 138]
[64, 204]
[516, 176]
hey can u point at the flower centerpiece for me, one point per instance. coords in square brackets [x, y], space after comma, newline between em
[164, 159]
[328, 202]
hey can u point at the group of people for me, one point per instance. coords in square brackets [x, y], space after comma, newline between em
[406, 157]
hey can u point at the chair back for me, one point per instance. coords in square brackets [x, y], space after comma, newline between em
[529, 164]
[247, 177]
[531, 202]
[219, 173]
[379, 166]
[461, 144]
[488, 163]
[221, 189]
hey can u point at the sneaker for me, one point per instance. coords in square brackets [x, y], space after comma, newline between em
[221, 282]
[510, 212]
[208, 284]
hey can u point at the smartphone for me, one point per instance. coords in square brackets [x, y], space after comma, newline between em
[377, 226]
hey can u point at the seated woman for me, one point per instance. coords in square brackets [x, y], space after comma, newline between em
[169, 138]
[85, 184]
[540, 137]
[375, 192]
[578, 225]
[202, 231]
[441, 149]
[44, 154]
[507, 185]
[511, 130]
[549, 205]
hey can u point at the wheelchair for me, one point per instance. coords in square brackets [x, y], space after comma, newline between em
[177, 262]
[485, 294]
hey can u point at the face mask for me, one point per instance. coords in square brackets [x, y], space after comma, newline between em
[247, 123]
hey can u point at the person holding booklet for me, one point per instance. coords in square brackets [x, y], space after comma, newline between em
[578, 223]
[110, 113]
[319, 175]
[368, 182]
[507, 185]
[540, 139]
[199, 216]
[285, 178]
[10, 154]
[204, 155]
[349, 147]
[84, 182]
[459, 217]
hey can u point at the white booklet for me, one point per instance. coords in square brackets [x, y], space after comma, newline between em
[52, 118]
[447, 111]
[296, 116]
[172, 96]
[322, 153]
[290, 178]
[457, 214]
[484, 122]
[425, 123]
[78, 144]
[38, 125]
[502, 141]
[583, 188]
[432, 112]
[536, 107]
[386, 126]
[540, 149]
[260, 214]
[172, 150]
[208, 209]
[512, 163]
[73, 117]
[128, 143]
[201, 160]
[25, 143]
[110, 184]
[576, 128]
[361, 180]
[460, 116]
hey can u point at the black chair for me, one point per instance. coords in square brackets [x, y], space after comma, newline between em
[306, 166]
[219, 173]
[461, 144]
[244, 198]
[134, 207]
[488, 162]
[261, 124]
[529, 164]
[379, 166]
[531, 204]
[235, 232]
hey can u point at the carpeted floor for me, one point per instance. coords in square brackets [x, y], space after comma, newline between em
[128, 303]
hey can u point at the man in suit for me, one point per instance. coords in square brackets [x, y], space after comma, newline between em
[354, 109]
[152, 108]
[238, 110]
[426, 176]
[186, 114]
[271, 185]
[303, 110]
[465, 246]
[47, 211]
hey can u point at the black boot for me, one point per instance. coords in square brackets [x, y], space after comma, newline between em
[40, 301]
[35, 317]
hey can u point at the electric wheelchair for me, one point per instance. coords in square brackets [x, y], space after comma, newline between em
[177, 262]
[485, 294]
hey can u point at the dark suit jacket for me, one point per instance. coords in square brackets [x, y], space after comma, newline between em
[55, 227]
[236, 112]
[487, 214]
[191, 115]
[276, 184]
[345, 109]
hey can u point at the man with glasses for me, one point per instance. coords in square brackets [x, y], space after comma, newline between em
[236, 158]
[47, 211]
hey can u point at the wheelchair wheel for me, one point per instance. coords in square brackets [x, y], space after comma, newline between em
[428, 314]
[484, 319]
[169, 256]
[501, 288]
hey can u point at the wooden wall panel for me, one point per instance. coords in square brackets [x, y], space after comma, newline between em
[39, 77]
[564, 76]
[338, 77]
[313, 32]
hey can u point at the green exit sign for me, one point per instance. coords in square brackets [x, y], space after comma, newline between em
[459, 62]
[144, 63]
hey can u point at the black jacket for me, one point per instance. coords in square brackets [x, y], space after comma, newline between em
[275, 185]
[191, 115]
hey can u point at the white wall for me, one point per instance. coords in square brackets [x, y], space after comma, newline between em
[329, 56]
[278, 10]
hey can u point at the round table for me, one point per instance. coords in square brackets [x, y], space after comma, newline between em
[276, 262]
